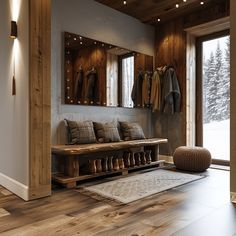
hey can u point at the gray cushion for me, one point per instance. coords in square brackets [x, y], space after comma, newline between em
[80, 132]
[131, 131]
[106, 132]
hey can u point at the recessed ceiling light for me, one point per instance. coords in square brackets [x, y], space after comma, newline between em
[177, 5]
[81, 42]
[124, 2]
[201, 2]
[158, 19]
[80, 38]
[75, 38]
[184, 0]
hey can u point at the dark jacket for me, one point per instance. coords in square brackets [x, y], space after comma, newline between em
[79, 85]
[171, 96]
[91, 88]
[136, 93]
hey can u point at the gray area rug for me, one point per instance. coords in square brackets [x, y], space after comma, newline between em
[132, 188]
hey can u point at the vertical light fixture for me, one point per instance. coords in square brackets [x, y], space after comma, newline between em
[13, 35]
[15, 11]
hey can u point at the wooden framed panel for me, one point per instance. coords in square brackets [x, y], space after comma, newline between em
[40, 98]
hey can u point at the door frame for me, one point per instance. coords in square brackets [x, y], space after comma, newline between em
[199, 113]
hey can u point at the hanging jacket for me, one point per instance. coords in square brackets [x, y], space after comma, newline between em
[146, 86]
[79, 84]
[91, 87]
[136, 93]
[156, 92]
[171, 96]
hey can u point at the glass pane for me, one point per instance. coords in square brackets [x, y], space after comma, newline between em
[127, 81]
[112, 79]
[216, 96]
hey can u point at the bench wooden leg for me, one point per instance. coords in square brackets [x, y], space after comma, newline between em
[72, 166]
[71, 185]
[155, 153]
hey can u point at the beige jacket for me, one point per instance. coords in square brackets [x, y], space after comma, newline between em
[156, 92]
[146, 86]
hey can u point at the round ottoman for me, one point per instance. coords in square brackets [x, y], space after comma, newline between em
[192, 158]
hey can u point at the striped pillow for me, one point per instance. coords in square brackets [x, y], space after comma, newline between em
[106, 132]
[131, 131]
[80, 132]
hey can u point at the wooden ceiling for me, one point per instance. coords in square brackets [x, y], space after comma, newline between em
[148, 11]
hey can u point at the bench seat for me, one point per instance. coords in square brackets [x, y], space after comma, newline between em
[71, 157]
[103, 147]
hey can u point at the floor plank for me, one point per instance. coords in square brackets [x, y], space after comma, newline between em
[199, 207]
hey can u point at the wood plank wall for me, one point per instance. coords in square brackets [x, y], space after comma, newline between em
[40, 98]
[170, 48]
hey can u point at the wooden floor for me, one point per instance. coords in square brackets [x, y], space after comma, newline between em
[199, 208]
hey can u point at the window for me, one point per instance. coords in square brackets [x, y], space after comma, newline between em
[127, 80]
[112, 79]
[214, 86]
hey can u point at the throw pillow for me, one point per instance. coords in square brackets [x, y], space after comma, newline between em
[80, 132]
[106, 132]
[131, 131]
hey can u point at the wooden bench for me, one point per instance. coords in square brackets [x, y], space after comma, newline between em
[70, 156]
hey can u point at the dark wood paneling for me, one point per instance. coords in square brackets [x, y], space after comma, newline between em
[214, 12]
[85, 53]
[170, 48]
[142, 63]
[149, 11]
[94, 56]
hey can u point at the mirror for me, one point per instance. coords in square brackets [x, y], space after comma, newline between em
[97, 73]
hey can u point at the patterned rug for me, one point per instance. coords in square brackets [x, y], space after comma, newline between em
[132, 188]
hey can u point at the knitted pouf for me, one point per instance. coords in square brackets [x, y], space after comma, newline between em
[192, 158]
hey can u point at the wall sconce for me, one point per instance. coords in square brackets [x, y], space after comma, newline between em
[13, 34]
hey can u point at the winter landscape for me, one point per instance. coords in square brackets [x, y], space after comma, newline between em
[216, 97]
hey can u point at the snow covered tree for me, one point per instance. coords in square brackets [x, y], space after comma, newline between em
[209, 92]
[219, 89]
[226, 81]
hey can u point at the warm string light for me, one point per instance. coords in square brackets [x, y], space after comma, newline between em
[177, 5]
[124, 2]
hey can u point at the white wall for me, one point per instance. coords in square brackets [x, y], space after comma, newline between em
[91, 19]
[14, 110]
[233, 100]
